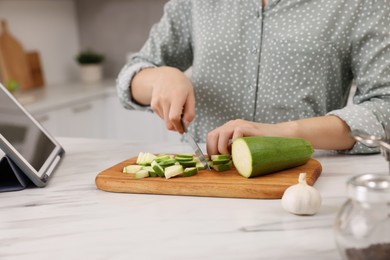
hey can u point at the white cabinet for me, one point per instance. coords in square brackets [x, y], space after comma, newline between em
[135, 125]
[104, 117]
[82, 119]
[85, 119]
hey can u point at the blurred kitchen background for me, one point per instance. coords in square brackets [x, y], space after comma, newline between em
[58, 30]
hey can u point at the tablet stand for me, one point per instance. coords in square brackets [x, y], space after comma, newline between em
[11, 177]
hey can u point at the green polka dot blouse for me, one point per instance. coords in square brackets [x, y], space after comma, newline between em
[292, 59]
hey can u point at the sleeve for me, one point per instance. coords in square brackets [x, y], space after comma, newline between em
[169, 44]
[370, 111]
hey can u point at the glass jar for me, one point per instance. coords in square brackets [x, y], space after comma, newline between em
[362, 226]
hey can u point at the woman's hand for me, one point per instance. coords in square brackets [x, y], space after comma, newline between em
[219, 139]
[324, 132]
[169, 93]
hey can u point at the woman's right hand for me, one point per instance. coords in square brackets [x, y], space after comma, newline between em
[169, 93]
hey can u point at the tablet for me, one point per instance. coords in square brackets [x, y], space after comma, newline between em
[26, 142]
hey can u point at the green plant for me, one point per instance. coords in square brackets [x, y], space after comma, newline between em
[89, 57]
[12, 85]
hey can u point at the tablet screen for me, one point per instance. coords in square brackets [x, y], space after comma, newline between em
[23, 134]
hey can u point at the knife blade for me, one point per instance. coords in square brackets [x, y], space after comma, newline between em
[195, 146]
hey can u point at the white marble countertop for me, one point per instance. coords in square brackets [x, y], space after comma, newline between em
[72, 219]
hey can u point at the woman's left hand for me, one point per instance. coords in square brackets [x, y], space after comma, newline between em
[325, 132]
[219, 139]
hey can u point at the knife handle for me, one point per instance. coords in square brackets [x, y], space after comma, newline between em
[183, 124]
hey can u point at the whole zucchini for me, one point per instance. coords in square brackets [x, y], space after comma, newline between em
[259, 155]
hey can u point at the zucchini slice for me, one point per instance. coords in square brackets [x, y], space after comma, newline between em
[141, 174]
[133, 168]
[222, 167]
[217, 157]
[190, 171]
[173, 171]
[158, 169]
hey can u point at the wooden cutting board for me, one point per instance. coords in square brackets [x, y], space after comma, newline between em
[228, 184]
[14, 64]
[36, 71]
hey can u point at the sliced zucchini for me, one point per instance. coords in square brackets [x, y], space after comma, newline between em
[185, 155]
[200, 166]
[139, 158]
[172, 171]
[158, 169]
[132, 168]
[217, 157]
[183, 159]
[141, 174]
[221, 161]
[167, 163]
[188, 163]
[191, 171]
[151, 171]
[223, 167]
[148, 158]
[162, 157]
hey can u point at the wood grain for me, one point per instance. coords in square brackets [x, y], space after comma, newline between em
[228, 184]
[34, 62]
[13, 62]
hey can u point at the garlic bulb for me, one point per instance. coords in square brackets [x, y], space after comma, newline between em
[301, 198]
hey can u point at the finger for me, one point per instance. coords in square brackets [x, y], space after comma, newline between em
[175, 114]
[223, 141]
[237, 133]
[241, 132]
[189, 108]
[212, 142]
[156, 108]
[168, 125]
[245, 131]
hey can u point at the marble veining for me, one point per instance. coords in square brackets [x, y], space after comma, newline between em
[72, 219]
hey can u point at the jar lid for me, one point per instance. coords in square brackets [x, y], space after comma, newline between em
[369, 188]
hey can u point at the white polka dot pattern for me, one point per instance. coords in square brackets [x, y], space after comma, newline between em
[293, 59]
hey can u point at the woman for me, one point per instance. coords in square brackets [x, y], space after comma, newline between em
[281, 68]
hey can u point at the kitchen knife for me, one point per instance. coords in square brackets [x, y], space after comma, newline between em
[195, 146]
